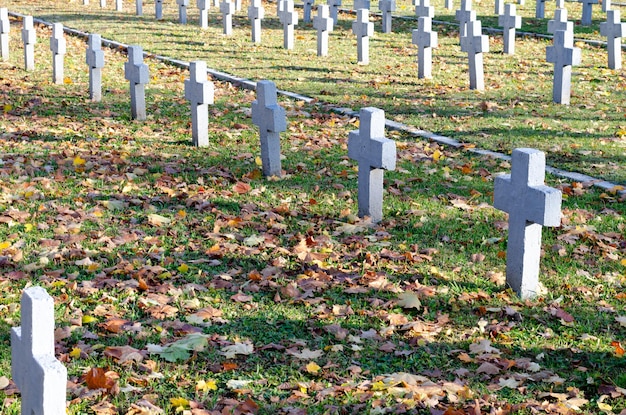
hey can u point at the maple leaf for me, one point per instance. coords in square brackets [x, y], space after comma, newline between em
[99, 378]
[508, 383]
[409, 299]
[241, 188]
[313, 368]
[238, 348]
[181, 403]
[158, 220]
[123, 354]
[488, 368]
[180, 349]
[204, 386]
[238, 383]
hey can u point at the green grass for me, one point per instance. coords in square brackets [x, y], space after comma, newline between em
[320, 279]
[515, 110]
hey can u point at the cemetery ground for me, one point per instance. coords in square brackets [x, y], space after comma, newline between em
[186, 281]
[515, 110]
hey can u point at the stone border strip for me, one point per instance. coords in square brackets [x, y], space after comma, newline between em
[392, 125]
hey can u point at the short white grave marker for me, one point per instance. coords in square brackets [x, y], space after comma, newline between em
[387, 7]
[475, 44]
[138, 75]
[203, 7]
[509, 22]
[614, 30]
[29, 37]
[5, 27]
[424, 9]
[499, 7]
[530, 205]
[85, 2]
[564, 55]
[375, 153]
[227, 8]
[119, 6]
[606, 5]
[139, 7]
[465, 15]
[41, 378]
[158, 9]
[289, 18]
[308, 5]
[426, 40]
[58, 46]
[540, 9]
[334, 9]
[363, 29]
[256, 12]
[199, 91]
[95, 60]
[182, 11]
[560, 22]
[449, 5]
[103, 4]
[324, 25]
[271, 120]
[585, 20]
[361, 4]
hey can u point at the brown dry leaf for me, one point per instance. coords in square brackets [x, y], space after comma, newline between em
[488, 368]
[115, 324]
[560, 313]
[484, 346]
[162, 311]
[208, 313]
[123, 354]
[144, 407]
[241, 297]
[158, 220]
[98, 378]
[241, 188]
[104, 408]
[306, 354]
[409, 300]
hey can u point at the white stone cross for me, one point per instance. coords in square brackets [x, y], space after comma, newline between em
[386, 7]
[58, 46]
[540, 9]
[29, 37]
[139, 7]
[289, 18]
[203, 7]
[423, 8]
[256, 12]
[587, 11]
[200, 92]
[425, 40]
[560, 22]
[475, 44]
[238, 4]
[119, 5]
[308, 5]
[465, 15]
[449, 4]
[227, 8]
[95, 60]
[280, 8]
[375, 153]
[509, 22]
[324, 25]
[271, 120]
[614, 30]
[564, 55]
[158, 9]
[606, 5]
[530, 205]
[499, 7]
[41, 378]
[5, 27]
[85, 2]
[363, 29]
[182, 11]
[137, 73]
[361, 4]
[103, 4]
[559, 4]
[334, 9]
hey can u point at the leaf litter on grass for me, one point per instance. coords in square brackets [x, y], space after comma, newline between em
[315, 315]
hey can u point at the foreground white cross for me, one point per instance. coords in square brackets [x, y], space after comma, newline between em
[375, 153]
[530, 205]
[41, 378]
[94, 58]
[5, 27]
[58, 48]
[136, 72]
[199, 91]
[271, 120]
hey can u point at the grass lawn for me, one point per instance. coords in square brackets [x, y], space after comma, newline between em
[186, 282]
[515, 110]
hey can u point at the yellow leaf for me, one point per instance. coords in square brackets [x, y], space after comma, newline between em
[379, 386]
[183, 268]
[209, 385]
[5, 245]
[79, 161]
[604, 407]
[258, 161]
[7, 107]
[88, 319]
[67, 80]
[28, 227]
[436, 155]
[75, 352]
[179, 403]
[313, 368]
[181, 213]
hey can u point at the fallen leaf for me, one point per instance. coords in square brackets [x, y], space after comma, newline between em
[312, 368]
[409, 299]
[306, 354]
